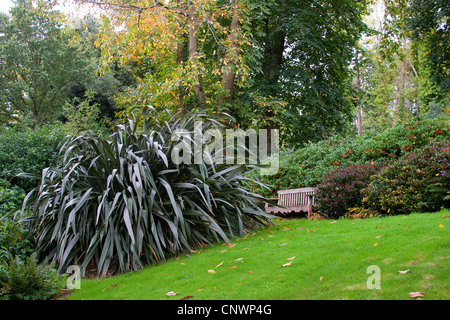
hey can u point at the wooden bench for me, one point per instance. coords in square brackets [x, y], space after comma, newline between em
[293, 200]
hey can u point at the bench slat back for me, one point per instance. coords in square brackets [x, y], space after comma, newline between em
[296, 197]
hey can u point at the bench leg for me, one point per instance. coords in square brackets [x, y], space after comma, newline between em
[309, 212]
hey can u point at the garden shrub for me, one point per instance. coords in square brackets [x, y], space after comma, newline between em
[116, 204]
[341, 188]
[15, 239]
[28, 280]
[11, 197]
[407, 184]
[29, 151]
[305, 167]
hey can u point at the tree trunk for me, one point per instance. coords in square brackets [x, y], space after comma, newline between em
[358, 85]
[180, 87]
[273, 59]
[229, 74]
[193, 58]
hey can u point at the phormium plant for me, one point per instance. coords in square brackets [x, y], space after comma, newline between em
[117, 204]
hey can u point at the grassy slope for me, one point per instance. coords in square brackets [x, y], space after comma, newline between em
[339, 251]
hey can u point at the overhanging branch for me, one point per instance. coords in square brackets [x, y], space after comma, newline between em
[138, 9]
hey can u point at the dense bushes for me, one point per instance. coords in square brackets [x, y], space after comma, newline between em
[28, 280]
[21, 151]
[305, 167]
[341, 188]
[119, 203]
[10, 197]
[326, 163]
[28, 151]
[418, 181]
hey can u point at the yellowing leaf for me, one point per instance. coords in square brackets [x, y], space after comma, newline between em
[219, 265]
[415, 294]
[287, 264]
[441, 225]
[291, 258]
[232, 267]
[376, 244]
[321, 278]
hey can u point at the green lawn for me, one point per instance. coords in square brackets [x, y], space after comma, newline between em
[331, 261]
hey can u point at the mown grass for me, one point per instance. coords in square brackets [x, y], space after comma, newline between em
[331, 261]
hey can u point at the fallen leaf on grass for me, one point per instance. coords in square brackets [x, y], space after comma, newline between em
[210, 271]
[403, 272]
[283, 244]
[291, 258]
[441, 225]
[187, 297]
[239, 259]
[415, 294]
[321, 278]
[375, 244]
[232, 267]
[171, 293]
[219, 265]
[111, 286]
[287, 264]
[333, 222]
[377, 237]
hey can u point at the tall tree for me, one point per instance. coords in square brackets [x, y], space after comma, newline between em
[193, 50]
[429, 22]
[305, 86]
[38, 63]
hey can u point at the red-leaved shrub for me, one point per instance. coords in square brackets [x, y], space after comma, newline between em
[341, 188]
